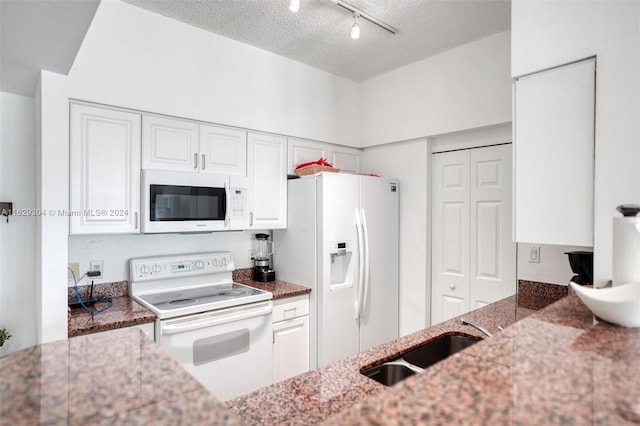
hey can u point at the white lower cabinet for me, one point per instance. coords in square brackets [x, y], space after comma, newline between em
[290, 337]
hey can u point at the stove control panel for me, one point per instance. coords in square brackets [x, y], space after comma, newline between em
[152, 268]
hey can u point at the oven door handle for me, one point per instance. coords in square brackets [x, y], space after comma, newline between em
[181, 326]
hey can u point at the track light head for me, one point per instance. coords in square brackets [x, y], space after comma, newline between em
[355, 30]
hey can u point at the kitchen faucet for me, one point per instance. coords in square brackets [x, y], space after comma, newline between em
[479, 327]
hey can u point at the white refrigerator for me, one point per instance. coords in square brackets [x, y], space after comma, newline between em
[342, 241]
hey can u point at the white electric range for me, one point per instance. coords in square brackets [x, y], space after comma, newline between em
[218, 330]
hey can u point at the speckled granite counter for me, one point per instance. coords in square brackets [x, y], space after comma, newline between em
[279, 289]
[554, 366]
[125, 312]
[117, 377]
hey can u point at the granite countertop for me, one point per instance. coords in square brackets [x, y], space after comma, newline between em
[125, 312]
[116, 377]
[279, 289]
[554, 366]
[558, 365]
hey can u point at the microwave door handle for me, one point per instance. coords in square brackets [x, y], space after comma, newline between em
[228, 202]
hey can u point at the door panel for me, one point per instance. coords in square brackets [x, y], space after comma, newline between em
[338, 329]
[450, 235]
[223, 150]
[169, 144]
[379, 201]
[493, 263]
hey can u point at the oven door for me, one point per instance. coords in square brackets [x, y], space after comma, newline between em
[229, 350]
[184, 202]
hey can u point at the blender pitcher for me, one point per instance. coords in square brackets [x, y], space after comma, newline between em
[263, 249]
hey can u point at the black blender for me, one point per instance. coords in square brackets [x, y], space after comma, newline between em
[263, 250]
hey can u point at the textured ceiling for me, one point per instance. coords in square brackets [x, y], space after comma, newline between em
[319, 34]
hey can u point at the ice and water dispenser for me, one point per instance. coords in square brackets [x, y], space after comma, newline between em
[341, 258]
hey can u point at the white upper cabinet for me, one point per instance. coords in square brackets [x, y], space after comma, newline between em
[104, 170]
[303, 151]
[267, 174]
[169, 144]
[186, 146]
[554, 155]
[223, 150]
[348, 160]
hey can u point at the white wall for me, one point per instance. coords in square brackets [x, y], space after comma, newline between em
[52, 195]
[137, 59]
[553, 267]
[462, 88]
[549, 33]
[17, 238]
[407, 161]
[116, 250]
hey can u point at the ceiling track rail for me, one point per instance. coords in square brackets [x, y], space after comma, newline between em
[366, 16]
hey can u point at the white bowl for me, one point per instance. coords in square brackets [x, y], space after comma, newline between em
[618, 305]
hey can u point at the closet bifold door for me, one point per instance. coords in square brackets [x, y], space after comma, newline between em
[450, 235]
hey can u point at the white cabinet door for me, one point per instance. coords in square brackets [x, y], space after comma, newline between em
[348, 160]
[223, 150]
[473, 257]
[104, 170]
[554, 155]
[169, 144]
[290, 348]
[303, 151]
[267, 173]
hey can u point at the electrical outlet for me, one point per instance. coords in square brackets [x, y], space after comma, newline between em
[534, 254]
[76, 270]
[97, 265]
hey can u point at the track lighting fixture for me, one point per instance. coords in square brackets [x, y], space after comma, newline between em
[355, 30]
[357, 13]
[294, 5]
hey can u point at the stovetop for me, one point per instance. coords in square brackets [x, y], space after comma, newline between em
[173, 286]
[186, 301]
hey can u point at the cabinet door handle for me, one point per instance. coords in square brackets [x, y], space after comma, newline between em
[135, 218]
[452, 286]
[250, 218]
[203, 162]
[290, 313]
[195, 161]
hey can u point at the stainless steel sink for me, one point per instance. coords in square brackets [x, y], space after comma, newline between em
[398, 369]
[439, 349]
[389, 374]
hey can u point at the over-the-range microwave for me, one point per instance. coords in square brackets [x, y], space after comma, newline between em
[193, 202]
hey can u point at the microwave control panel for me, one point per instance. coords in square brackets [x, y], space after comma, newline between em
[238, 203]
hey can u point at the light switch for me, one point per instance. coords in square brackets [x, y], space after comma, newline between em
[534, 254]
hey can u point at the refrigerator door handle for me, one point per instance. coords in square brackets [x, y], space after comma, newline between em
[367, 274]
[360, 288]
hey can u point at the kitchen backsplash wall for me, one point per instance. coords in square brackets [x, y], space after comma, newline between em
[553, 267]
[116, 250]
